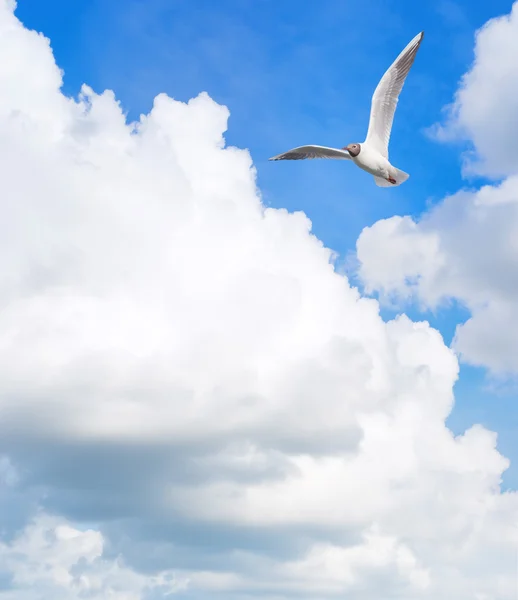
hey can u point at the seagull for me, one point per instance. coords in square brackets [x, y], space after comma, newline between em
[372, 154]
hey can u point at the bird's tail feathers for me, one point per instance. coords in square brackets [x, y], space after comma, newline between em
[380, 182]
[400, 176]
[397, 174]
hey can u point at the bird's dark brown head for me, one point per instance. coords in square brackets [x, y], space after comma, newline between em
[353, 149]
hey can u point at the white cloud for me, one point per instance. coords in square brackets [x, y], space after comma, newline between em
[185, 368]
[464, 248]
[52, 559]
[486, 104]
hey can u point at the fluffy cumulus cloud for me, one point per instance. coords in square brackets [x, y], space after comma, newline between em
[192, 400]
[466, 247]
[485, 107]
[51, 559]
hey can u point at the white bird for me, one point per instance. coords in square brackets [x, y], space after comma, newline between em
[372, 154]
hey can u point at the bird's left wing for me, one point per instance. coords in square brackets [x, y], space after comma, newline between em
[385, 98]
[303, 152]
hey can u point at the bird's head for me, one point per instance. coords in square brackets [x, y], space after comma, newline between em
[353, 149]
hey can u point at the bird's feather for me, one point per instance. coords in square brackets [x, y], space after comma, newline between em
[386, 95]
[308, 152]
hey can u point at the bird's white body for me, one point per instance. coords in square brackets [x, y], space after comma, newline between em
[372, 155]
[372, 161]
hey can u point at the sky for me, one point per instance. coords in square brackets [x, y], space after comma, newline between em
[286, 74]
[225, 377]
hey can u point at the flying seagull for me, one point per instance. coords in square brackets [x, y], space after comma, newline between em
[372, 154]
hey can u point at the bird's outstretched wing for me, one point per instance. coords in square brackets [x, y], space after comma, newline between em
[303, 152]
[385, 98]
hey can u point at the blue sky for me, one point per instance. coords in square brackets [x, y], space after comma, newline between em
[291, 73]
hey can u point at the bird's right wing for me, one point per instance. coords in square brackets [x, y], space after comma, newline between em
[385, 98]
[303, 152]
